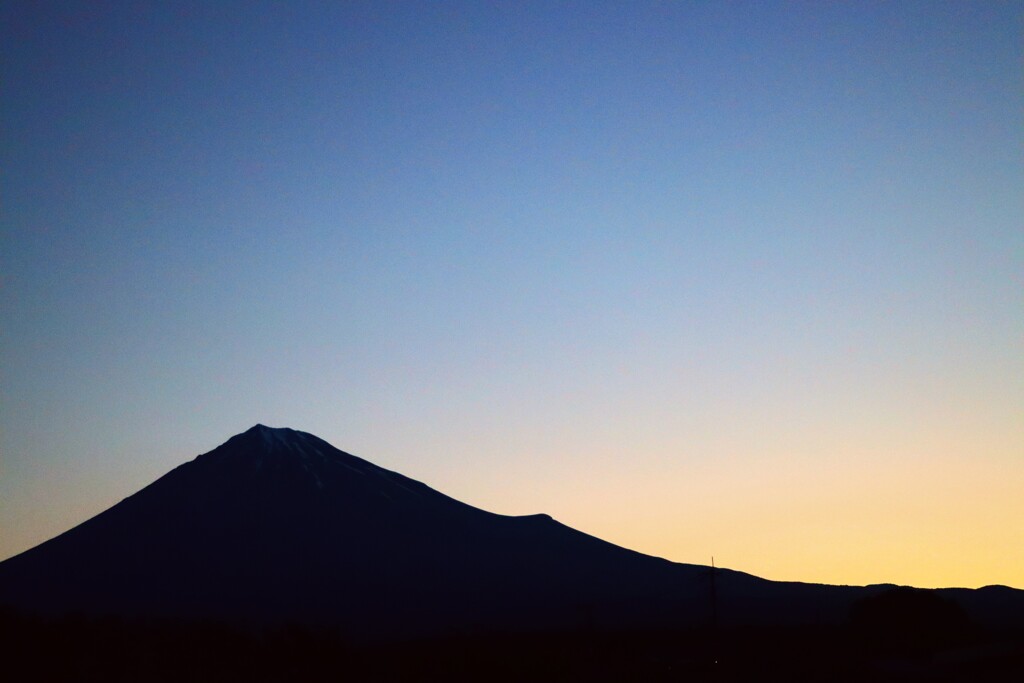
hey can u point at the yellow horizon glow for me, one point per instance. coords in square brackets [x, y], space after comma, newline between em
[920, 510]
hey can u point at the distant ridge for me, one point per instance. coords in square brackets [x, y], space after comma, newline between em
[278, 526]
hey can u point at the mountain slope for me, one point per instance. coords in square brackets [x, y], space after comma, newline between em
[279, 526]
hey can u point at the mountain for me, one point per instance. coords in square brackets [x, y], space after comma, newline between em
[277, 526]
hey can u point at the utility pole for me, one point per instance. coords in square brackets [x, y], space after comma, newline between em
[714, 614]
[714, 597]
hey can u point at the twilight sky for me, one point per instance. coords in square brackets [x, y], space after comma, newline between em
[730, 279]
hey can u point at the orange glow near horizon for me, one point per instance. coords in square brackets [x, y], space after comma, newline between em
[922, 514]
[926, 516]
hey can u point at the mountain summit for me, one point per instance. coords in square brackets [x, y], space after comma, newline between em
[304, 465]
[278, 526]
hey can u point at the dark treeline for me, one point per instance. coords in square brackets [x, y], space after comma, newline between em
[900, 635]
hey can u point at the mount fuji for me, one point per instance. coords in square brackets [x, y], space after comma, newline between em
[277, 526]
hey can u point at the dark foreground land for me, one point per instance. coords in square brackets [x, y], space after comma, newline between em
[84, 649]
[279, 527]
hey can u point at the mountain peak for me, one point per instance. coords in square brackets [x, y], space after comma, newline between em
[264, 430]
[262, 447]
[260, 427]
[279, 433]
[271, 438]
[287, 458]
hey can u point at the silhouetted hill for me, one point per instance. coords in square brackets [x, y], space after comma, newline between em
[278, 527]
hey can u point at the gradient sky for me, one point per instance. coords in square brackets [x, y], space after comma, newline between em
[730, 279]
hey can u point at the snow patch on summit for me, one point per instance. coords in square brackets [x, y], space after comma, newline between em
[274, 437]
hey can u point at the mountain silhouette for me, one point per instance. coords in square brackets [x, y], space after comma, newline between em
[277, 526]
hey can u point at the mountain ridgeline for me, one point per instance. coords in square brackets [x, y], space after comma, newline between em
[276, 526]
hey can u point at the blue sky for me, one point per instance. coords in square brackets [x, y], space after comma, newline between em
[624, 263]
